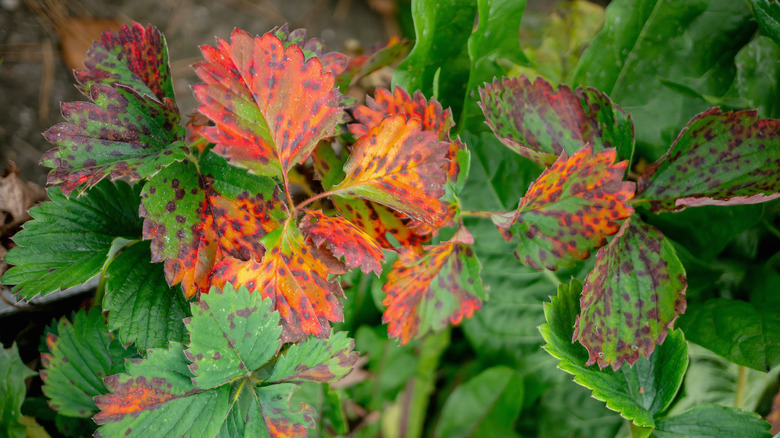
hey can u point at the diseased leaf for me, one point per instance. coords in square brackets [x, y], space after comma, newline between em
[428, 291]
[345, 240]
[280, 421]
[718, 159]
[399, 165]
[767, 15]
[539, 122]
[639, 393]
[69, 240]
[634, 293]
[332, 62]
[363, 65]
[377, 221]
[295, 280]
[316, 360]
[230, 335]
[713, 421]
[13, 372]
[81, 354]
[569, 210]
[121, 134]
[248, 92]
[136, 57]
[199, 215]
[142, 308]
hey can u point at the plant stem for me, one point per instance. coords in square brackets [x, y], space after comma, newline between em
[739, 398]
[286, 183]
[97, 300]
[638, 431]
[474, 213]
[550, 275]
[312, 199]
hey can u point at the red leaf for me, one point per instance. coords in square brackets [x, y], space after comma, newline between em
[270, 106]
[376, 221]
[332, 62]
[131, 395]
[344, 239]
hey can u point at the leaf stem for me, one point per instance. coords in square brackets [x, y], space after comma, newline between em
[638, 431]
[286, 183]
[312, 199]
[739, 398]
[475, 213]
[550, 275]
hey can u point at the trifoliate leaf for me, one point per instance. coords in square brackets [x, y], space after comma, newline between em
[316, 360]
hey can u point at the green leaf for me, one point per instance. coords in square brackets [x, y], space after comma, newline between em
[568, 410]
[318, 360]
[718, 159]
[767, 15]
[539, 122]
[69, 240]
[639, 393]
[82, 354]
[647, 40]
[442, 28]
[632, 296]
[232, 333]
[713, 421]
[486, 405]
[141, 306]
[13, 372]
[757, 84]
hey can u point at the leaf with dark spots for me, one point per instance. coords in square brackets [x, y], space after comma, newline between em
[199, 215]
[718, 159]
[539, 122]
[332, 62]
[327, 165]
[361, 66]
[380, 223]
[121, 134]
[316, 360]
[428, 291]
[633, 295]
[345, 240]
[294, 279]
[270, 105]
[136, 57]
[569, 210]
[399, 165]
[80, 355]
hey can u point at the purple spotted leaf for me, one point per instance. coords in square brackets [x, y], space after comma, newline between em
[316, 360]
[197, 216]
[718, 159]
[136, 57]
[270, 105]
[539, 122]
[631, 298]
[231, 334]
[121, 134]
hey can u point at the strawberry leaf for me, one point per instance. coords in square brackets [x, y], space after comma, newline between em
[345, 240]
[640, 393]
[121, 134]
[141, 306]
[428, 291]
[251, 92]
[231, 334]
[81, 354]
[361, 66]
[377, 221]
[295, 280]
[316, 360]
[399, 165]
[197, 215]
[13, 373]
[136, 57]
[539, 122]
[634, 293]
[713, 420]
[569, 210]
[69, 240]
[718, 159]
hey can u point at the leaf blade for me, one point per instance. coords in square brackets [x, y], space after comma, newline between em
[345, 240]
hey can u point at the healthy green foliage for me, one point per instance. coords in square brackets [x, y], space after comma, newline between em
[13, 372]
[710, 421]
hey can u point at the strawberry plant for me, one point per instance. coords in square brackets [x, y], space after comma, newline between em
[238, 252]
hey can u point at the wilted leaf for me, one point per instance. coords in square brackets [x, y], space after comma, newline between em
[718, 159]
[428, 291]
[715, 421]
[345, 240]
[399, 165]
[539, 122]
[17, 196]
[633, 295]
[570, 209]
[316, 360]
[121, 134]
[69, 240]
[270, 105]
[13, 372]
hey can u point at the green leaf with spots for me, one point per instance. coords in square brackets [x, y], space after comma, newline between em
[231, 334]
[316, 360]
[767, 15]
[82, 354]
[639, 393]
[13, 372]
[633, 295]
[136, 57]
[718, 159]
[142, 307]
[121, 134]
[645, 42]
[539, 122]
[712, 421]
[69, 240]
